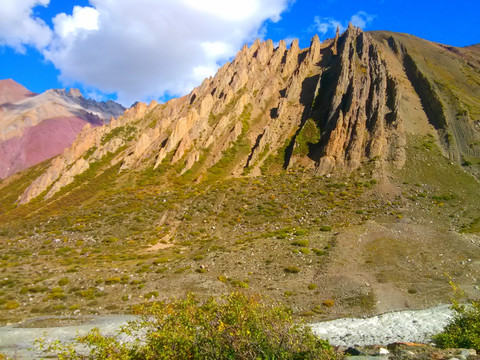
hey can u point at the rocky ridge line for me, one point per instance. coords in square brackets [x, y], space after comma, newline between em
[265, 104]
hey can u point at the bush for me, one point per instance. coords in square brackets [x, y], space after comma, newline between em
[328, 303]
[113, 280]
[291, 269]
[464, 330]
[235, 327]
[302, 243]
[63, 281]
[12, 305]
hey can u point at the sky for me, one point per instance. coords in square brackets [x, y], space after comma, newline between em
[142, 50]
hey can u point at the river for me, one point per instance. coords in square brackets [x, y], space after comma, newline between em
[409, 325]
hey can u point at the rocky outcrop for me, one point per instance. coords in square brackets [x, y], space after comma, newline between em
[330, 107]
[335, 42]
[355, 107]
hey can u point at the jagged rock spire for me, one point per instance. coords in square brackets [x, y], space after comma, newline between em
[335, 42]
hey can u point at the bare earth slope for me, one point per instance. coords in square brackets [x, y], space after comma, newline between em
[341, 179]
[26, 119]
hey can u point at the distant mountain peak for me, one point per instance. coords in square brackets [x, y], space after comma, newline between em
[75, 93]
[35, 127]
[11, 91]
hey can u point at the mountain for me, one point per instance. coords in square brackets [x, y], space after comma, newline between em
[11, 92]
[36, 127]
[320, 110]
[339, 179]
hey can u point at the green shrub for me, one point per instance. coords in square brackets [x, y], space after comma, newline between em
[301, 243]
[63, 281]
[326, 228]
[308, 135]
[113, 280]
[304, 250]
[56, 294]
[328, 303]
[11, 305]
[234, 327]
[291, 269]
[198, 257]
[239, 283]
[300, 232]
[151, 295]
[464, 330]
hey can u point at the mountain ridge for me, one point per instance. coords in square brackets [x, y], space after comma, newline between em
[11, 91]
[27, 117]
[354, 124]
[340, 180]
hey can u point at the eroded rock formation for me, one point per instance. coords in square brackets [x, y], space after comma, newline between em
[329, 107]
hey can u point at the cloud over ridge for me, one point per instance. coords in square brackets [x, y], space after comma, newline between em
[325, 24]
[140, 49]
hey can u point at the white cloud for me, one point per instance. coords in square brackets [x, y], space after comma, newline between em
[18, 27]
[362, 19]
[143, 49]
[83, 18]
[324, 25]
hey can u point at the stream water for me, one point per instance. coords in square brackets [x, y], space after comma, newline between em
[18, 341]
[410, 325]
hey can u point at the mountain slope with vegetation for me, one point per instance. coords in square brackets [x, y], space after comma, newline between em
[340, 179]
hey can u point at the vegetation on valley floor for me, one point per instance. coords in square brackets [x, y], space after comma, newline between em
[281, 228]
[237, 326]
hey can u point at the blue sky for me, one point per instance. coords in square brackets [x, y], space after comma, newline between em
[155, 49]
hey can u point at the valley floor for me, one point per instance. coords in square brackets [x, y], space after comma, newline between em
[406, 326]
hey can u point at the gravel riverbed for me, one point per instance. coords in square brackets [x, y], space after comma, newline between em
[407, 326]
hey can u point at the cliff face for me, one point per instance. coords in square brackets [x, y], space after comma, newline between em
[356, 108]
[328, 108]
[35, 127]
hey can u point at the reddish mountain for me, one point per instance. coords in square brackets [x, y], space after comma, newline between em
[38, 143]
[35, 127]
[11, 92]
